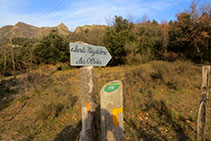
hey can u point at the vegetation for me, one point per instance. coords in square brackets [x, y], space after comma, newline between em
[190, 34]
[117, 37]
[52, 49]
[161, 102]
[159, 64]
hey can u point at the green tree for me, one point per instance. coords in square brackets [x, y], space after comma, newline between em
[51, 49]
[150, 40]
[116, 37]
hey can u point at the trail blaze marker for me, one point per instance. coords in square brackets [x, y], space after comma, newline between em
[111, 87]
[88, 55]
[112, 111]
[115, 113]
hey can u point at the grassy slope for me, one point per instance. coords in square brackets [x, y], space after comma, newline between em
[161, 102]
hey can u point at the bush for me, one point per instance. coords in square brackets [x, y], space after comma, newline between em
[52, 49]
[116, 37]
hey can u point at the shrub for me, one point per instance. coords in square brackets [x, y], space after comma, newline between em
[52, 49]
[116, 37]
[52, 110]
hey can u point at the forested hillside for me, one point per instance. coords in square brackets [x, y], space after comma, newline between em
[186, 38]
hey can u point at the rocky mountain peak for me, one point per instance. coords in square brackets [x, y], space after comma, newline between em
[63, 29]
[20, 23]
[62, 26]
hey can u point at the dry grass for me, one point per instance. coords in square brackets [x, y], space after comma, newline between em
[161, 102]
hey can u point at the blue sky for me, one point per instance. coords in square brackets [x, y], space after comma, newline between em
[86, 12]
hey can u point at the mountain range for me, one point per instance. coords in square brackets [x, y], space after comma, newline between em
[24, 30]
[28, 31]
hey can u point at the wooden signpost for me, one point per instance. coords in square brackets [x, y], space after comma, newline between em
[201, 121]
[88, 56]
[112, 111]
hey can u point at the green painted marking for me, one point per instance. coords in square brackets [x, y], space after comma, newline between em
[111, 87]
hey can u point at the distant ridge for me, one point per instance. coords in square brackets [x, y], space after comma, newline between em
[28, 31]
[87, 28]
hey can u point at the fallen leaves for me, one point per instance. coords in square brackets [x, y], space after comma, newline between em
[143, 116]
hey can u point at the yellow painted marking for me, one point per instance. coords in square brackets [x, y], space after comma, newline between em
[115, 113]
[88, 107]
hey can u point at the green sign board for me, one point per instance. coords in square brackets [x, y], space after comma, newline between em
[111, 87]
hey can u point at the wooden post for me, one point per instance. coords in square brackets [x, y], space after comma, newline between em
[5, 60]
[88, 103]
[112, 111]
[201, 123]
[205, 77]
[13, 60]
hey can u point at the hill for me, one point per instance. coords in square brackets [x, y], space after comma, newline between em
[161, 101]
[28, 31]
[87, 28]
[92, 34]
